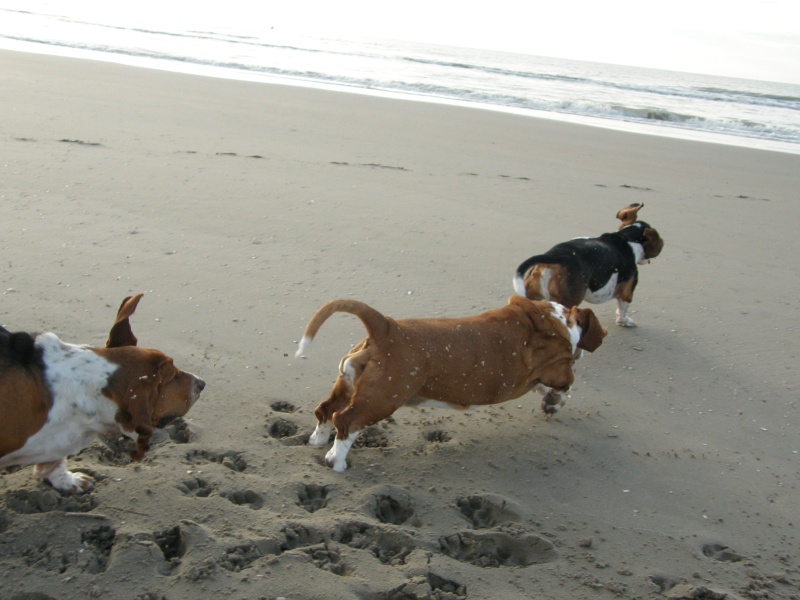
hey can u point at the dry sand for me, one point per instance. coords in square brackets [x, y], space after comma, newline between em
[239, 208]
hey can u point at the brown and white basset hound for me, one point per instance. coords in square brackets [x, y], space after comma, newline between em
[56, 397]
[488, 358]
[593, 269]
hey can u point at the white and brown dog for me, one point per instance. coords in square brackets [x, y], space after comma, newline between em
[56, 397]
[593, 269]
[488, 358]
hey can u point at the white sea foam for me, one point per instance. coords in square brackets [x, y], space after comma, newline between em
[733, 111]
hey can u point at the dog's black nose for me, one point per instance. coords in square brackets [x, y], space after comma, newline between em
[200, 384]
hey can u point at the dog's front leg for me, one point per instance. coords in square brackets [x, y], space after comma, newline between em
[553, 400]
[366, 408]
[336, 457]
[321, 435]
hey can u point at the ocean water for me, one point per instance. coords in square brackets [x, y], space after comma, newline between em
[740, 112]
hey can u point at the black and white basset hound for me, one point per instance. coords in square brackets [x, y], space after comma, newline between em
[593, 269]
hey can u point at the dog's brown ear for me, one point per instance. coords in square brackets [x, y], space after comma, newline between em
[135, 414]
[652, 243]
[121, 333]
[139, 403]
[628, 214]
[592, 333]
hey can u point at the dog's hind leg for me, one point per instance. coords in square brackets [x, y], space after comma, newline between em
[350, 368]
[624, 296]
[623, 319]
[338, 400]
[365, 409]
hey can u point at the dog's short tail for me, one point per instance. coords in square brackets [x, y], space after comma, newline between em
[374, 322]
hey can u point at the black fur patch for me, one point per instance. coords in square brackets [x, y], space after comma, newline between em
[592, 261]
[19, 349]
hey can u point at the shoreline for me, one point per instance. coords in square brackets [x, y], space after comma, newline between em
[240, 208]
[241, 75]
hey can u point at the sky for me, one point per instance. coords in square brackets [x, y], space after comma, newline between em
[755, 39]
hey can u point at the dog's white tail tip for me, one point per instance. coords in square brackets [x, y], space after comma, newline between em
[519, 286]
[303, 346]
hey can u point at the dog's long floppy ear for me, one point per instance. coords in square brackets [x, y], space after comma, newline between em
[121, 333]
[652, 243]
[139, 403]
[592, 333]
[136, 413]
[628, 214]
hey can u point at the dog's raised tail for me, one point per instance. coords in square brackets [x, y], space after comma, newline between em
[374, 322]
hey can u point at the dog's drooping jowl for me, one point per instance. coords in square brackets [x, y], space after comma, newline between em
[593, 269]
[56, 397]
[488, 358]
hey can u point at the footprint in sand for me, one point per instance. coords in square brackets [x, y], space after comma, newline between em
[313, 497]
[179, 431]
[485, 511]
[282, 406]
[244, 498]
[391, 505]
[42, 501]
[429, 586]
[498, 549]
[720, 552]
[389, 546]
[231, 459]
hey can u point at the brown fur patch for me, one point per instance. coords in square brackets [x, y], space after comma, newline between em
[624, 290]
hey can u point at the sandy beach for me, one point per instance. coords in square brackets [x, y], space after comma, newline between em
[239, 208]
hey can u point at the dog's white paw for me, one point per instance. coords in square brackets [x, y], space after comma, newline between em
[552, 402]
[626, 322]
[336, 457]
[66, 482]
[321, 434]
[77, 483]
[335, 461]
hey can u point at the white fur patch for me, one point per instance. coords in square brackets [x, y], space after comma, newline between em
[302, 346]
[321, 434]
[638, 253]
[623, 319]
[519, 285]
[560, 313]
[347, 372]
[63, 480]
[544, 283]
[605, 293]
[76, 377]
[337, 455]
